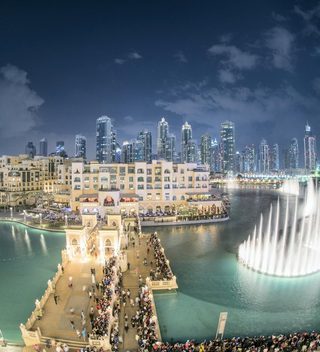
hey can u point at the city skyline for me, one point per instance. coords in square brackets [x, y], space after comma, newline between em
[266, 81]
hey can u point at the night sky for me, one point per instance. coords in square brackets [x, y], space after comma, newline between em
[65, 63]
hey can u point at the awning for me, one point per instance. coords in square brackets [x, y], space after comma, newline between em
[93, 195]
[128, 195]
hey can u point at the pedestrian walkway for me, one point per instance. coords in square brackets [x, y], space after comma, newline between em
[136, 254]
[70, 302]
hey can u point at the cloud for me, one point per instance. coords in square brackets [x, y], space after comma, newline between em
[119, 61]
[225, 38]
[311, 19]
[316, 85]
[134, 56]
[280, 41]
[277, 17]
[226, 76]
[280, 109]
[130, 56]
[18, 102]
[235, 58]
[128, 118]
[180, 57]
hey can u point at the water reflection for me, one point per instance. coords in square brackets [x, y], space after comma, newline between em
[27, 240]
[43, 245]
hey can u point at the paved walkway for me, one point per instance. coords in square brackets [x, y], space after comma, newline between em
[136, 254]
[55, 322]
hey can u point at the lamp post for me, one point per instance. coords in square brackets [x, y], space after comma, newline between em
[24, 216]
[66, 220]
[40, 218]
[11, 212]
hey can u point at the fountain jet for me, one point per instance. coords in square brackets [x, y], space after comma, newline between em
[297, 251]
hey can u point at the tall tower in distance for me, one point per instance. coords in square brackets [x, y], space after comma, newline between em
[227, 135]
[43, 147]
[105, 139]
[162, 138]
[309, 144]
[186, 137]
[80, 146]
[264, 157]
[145, 137]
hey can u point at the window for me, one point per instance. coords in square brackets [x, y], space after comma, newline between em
[166, 179]
[140, 186]
[190, 178]
[131, 186]
[77, 187]
[167, 171]
[131, 179]
[149, 179]
[158, 170]
[140, 171]
[76, 179]
[157, 179]
[122, 170]
[131, 170]
[140, 179]
[149, 196]
[149, 171]
[149, 186]
[167, 186]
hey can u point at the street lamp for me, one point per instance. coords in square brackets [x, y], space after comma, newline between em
[24, 216]
[11, 212]
[40, 218]
[66, 220]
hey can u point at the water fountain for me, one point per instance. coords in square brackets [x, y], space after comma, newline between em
[293, 252]
[290, 186]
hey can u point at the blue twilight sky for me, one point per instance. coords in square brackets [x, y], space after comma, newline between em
[65, 63]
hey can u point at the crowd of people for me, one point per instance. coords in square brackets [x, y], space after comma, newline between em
[110, 289]
[292, 342]
[145, 321]
[162, 270]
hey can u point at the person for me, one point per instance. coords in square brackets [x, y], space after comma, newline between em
[126, 326]
[62, 269]
[84, 333]
[128, 266]
[82, 315]
[55, 297]
[78, 333]
[72, 324]
[70, 281]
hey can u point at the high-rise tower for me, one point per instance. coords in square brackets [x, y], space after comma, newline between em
[105, 140]
[80, 146]
[227, 134]
[310, 156]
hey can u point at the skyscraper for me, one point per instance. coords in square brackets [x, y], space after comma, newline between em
[274, 163]
[206, 149]
[43, 150]
[191, 151]
[227, 134]
[186, 136]
[145, 137]
[105, 140]
[30, 149]
[310, 156]
[60, 151]
[162, 138]
[249, 159]
[293, 154]
[80, 146]
[264, 157]
[216, 157]
[127, 152]
[170, 148]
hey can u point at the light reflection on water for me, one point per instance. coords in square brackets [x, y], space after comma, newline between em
[28, 258]
[210, 281]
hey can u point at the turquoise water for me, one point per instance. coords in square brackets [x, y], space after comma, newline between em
[211, 281]
[27, 261]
